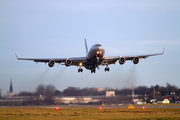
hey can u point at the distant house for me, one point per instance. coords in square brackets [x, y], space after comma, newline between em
[177, 100]
[166, 101]
[110, 93]
[76, 100]
[160, 101]
[138, 101]
[154, 101]
[15, 100]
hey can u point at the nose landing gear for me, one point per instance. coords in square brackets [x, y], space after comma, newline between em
[93, 70]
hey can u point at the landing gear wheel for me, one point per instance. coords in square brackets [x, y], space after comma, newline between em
[106, 69]
[80, 70]
[93, 70]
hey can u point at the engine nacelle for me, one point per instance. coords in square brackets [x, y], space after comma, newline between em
[51, 63]
[122, 60]
[68, 62]
[135, 60]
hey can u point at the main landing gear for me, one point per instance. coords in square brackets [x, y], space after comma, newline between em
[107, 68]
[80, 70]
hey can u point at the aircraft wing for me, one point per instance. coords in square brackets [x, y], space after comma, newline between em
[113, 59]
[75, 60]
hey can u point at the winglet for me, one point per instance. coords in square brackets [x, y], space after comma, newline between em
[16, 56]
[163, 51]
[86, 46]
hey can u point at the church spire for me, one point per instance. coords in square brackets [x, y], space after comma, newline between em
[11, 89]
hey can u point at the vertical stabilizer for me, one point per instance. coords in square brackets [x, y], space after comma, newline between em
[86, 46]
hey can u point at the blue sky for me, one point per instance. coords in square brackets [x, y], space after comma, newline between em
[57, 28]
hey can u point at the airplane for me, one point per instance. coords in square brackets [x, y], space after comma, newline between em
[94, 58]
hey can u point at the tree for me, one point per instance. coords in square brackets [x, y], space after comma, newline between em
[171, 88]
[50, 90]
[162, 93]
[23, 93]
[58, 93]
[49, 94]
[178, 92]
[157, 87]
[140, 90]
[40, 90]
[71, 91]
[46, 92]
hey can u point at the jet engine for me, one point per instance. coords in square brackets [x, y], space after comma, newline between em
[51, 63]
[122, 60]
[135, 60]
[68, 62]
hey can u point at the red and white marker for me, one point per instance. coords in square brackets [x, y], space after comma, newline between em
[100, 108]
[57, 108]
[143, 107]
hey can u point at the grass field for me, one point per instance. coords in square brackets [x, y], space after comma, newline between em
[90, 113]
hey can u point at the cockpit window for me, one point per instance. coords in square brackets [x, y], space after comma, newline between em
[98, 45]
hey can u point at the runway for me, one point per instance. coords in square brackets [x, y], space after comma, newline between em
[95, 106]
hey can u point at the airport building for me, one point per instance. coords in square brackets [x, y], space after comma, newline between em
[14, 101]
[77, 100]
[110, 93]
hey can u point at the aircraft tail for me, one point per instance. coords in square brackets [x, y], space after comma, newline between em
[86, 46]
